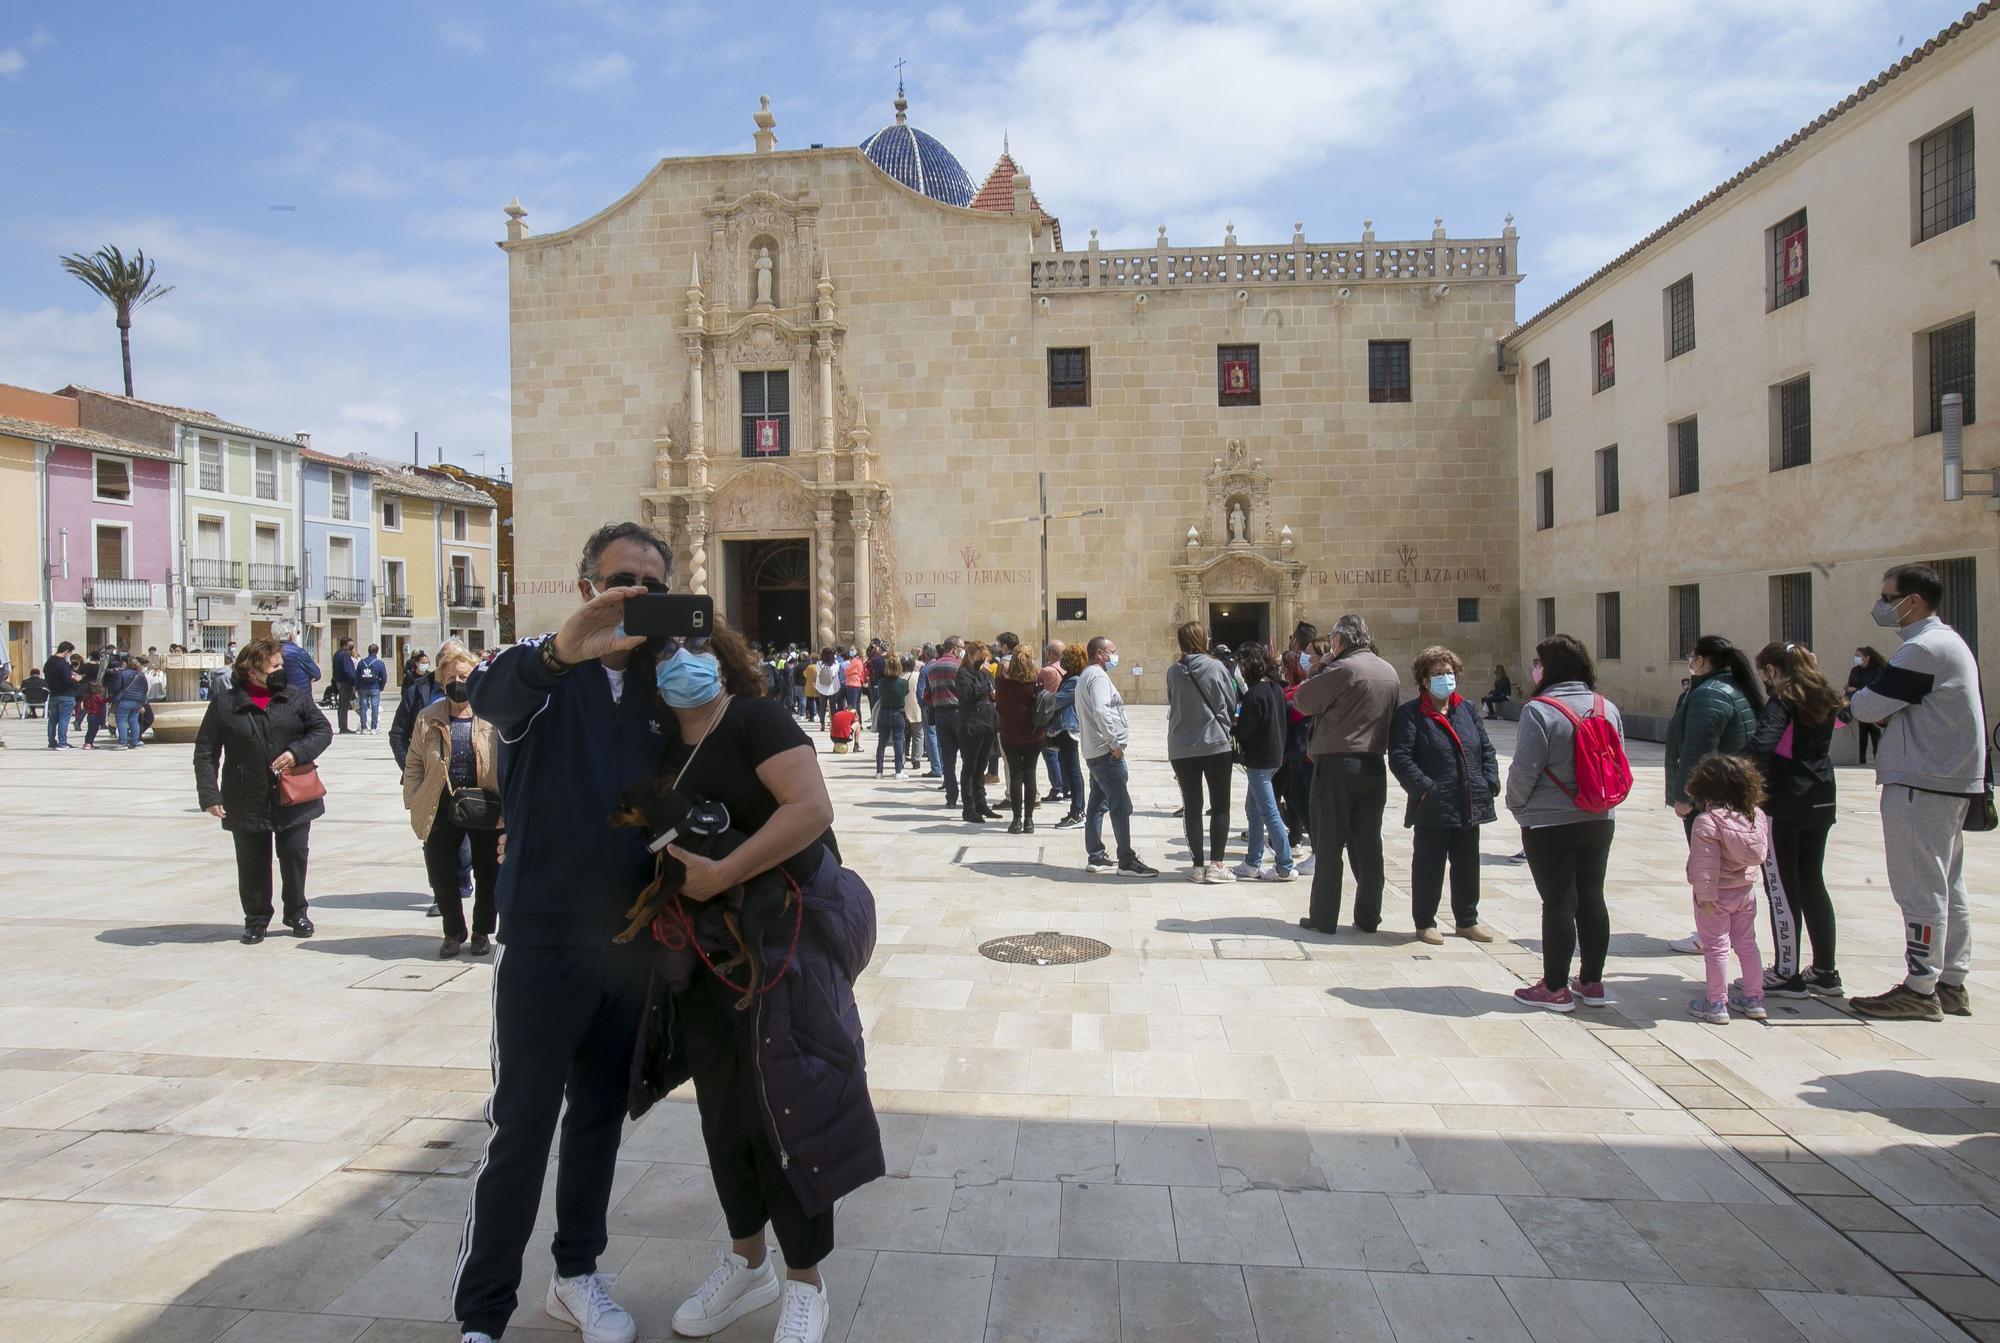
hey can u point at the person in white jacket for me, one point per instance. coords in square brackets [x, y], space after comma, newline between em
[1100, 719]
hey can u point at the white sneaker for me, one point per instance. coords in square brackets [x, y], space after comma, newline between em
[1101, 867]
[1218, 875]
[731, 1292]
[803, 1318]
[1249, 873]
[474, 1336]
[1273, 874]
[1305, 868]
[1686, 946]
[1196, 874]
[586, 1303]
[899, 774]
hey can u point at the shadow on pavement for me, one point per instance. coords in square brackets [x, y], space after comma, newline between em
[160, 934]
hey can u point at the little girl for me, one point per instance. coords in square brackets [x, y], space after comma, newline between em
[1725, 857]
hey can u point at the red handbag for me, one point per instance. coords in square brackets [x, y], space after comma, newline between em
[300, 783]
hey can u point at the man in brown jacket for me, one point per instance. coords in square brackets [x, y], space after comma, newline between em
[1350, 695]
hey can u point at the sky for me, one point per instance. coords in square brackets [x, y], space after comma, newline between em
[323, 185]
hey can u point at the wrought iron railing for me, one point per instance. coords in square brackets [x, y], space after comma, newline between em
[117, 594]
[273, 578]
[393, 605]
[215, 574]
[347, 591]
[465, 597]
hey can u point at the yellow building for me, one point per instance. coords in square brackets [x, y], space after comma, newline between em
[20, 550]
[433, 560]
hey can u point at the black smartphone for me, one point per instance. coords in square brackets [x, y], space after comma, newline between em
[670, 615]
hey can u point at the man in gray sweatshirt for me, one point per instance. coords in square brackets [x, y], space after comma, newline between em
[1104, 734]
[1931, 766]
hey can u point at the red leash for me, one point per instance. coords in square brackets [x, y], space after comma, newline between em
[677, 933]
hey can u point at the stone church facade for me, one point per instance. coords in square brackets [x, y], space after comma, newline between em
[835, 378]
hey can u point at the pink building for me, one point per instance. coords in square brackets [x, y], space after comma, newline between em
[110, 532]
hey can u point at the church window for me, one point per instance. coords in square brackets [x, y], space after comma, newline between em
[1236, 376]
[767, 413]
[1069, 377]
[1388, 370]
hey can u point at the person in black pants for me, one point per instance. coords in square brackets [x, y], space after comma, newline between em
[251, 733]
[1794, 736]
[567, 1000]
[1351, 696]
[978, 727]
[452, 765]
[1201, 711]
[941, 703]
[1021, 741]
[1440, 753]
[1867, 670]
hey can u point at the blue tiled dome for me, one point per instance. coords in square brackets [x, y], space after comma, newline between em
[918, 161]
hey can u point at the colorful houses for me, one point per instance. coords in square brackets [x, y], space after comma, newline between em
[434, 547]
[338, 499]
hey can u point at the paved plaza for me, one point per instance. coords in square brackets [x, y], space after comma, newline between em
[1226, 1130]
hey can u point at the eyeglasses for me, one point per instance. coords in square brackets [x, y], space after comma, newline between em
[632, 581]
[673, 646]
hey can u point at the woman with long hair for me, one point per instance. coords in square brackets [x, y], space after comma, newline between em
[451, 788]
[1063, 734]
[1717, 715]
[891, 712]
[1792, 748]
[978, 726]
[1866, 671]
[1020, 740]
[1201, 710]
[1260, 735]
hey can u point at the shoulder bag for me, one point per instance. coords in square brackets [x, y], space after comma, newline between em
[300, 783]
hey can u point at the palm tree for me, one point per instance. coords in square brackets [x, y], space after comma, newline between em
[125, 285]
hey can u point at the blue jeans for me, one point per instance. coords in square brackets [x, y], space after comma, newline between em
[1260, 800]
[1108, 793]
[61, 709]
[1071, 758]
[370, 698]
[889, 727]
[931, 746]
[128, 725]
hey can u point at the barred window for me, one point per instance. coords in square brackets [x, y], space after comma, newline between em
[767, 413]
[1951, 369]
[1944, 179]
[1789, 275]
[1542, 407]
[1603, 359]
[1236, 376]
[1388, 370]
[1545, 618]
[1545, 499]
[1684, 611]
[1684, 463]
[1791, 608]
[1069, 377]
[1959, 605]
[1792, 424]
[1468, 610]
[1607, 480]
[1610, 626]
[1680, 317]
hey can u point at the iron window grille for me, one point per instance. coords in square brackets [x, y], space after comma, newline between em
[1945, 192]
[1951, 353]
[1958, 607]
[1610, 626]
[1388, 370]
[766, 400]
[1680, 317]
[1795, 424]
[1790, 259]
[1545, 618]
[1684, 604]
[1237, 376]
[1607, 480]
[1545, 499]
[1686, 435]
[1468, 610]
[1069, 377]
[1603, 359]
[1543, 405]
[1794, 601]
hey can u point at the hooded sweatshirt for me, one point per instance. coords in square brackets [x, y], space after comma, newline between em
[1725, 854]
[1201, 707]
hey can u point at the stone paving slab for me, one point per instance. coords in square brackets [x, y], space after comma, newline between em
[1226, 1129]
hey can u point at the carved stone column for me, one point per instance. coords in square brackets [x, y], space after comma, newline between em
[698, 546]
[823, 357]
[697, 426]
[823, 612]
[864, 569]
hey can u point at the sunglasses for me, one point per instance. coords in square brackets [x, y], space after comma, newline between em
[673, 646]
[632, 581]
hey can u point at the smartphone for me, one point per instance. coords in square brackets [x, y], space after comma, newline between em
[670, 615]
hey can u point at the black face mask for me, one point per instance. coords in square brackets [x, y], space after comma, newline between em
[457, 693]
[277, 680]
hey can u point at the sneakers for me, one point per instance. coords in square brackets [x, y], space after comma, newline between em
[1954, 1000]
[899, 774]
[1542, 996]
[1590, 995]
[1430, 937]
[1218, 875]
[802, 1319]
[1901, 1003]
[1824, 984]
[1686, 946]
[1307, 867]
[1244, 871]
[1782, 986]
[1278, 874]
[1197, 874]
[1474, 932]
[1135, 868]
[1520, 857]
[1101, 866]
[1704, 1009]
[1069, 819]
[1744, 1005]
[731, 1292]
[474, 1336]
[586, 1302]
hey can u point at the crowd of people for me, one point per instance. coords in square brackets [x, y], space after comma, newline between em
[83, 692]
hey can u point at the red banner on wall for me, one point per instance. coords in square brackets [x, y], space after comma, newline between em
[1794, 251]
[1236, 377]
[767, 436]
[1607, 360]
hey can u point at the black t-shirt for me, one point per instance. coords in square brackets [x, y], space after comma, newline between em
[725, 770]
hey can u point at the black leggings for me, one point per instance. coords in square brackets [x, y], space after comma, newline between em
[441, 866]
[1568, 863]
[1021, 760]
[973, 753]
[1192, 773]
[1801, 854]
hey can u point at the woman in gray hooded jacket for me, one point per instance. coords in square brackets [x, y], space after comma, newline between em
[1201, 709]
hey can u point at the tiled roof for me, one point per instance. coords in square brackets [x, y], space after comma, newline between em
[1799, 137]
[88, 439]
[199, 419]
[997, 194]
[345, 463]
[395, 478]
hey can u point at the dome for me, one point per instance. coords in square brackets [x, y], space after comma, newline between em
[917, 160]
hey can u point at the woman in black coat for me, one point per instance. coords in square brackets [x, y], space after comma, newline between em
[1794, 736]
[1440, 753]
[259, 727]
[1867, 670]
[978, 734]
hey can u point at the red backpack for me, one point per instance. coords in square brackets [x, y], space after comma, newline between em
[1603, 774]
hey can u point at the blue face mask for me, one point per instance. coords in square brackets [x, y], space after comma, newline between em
[1111, 661]
[1442, 685]
[688, 680]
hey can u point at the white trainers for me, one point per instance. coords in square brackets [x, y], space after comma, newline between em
[899, 774]
[1275, 874]
[1686, 946]
[1218, 875]
[803, 1318]
[474, 1336]
[1305, 868]
[731, 1292]
[1245, 872]
[1196, 874]
[586, 1303]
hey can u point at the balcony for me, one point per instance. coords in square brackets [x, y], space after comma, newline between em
[346, 592]
[273, 578]
[223, 575]
[465, 597]
[394, 605]
[117, 594]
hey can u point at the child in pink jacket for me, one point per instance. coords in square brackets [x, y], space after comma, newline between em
[1725, 857]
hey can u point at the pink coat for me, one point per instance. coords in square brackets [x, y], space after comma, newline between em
[1725, 854]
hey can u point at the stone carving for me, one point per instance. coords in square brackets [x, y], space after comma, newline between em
[760, 499]
[1236, 454]
[1239, 574]
[763, 278]
[1237, 524]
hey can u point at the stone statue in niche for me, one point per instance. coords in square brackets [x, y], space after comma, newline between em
[762, 267]
[1239, 524]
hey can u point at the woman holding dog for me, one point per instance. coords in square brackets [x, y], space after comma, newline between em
[451, 787]
[763, 1001]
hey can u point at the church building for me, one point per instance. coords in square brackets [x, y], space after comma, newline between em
[865, 398]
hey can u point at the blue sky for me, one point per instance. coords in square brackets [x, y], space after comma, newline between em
[375, 304]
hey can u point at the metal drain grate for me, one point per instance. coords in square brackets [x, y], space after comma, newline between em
[1044, 949]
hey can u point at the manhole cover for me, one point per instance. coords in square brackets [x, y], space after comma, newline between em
[1043, 949]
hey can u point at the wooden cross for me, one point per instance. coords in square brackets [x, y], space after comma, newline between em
[1044, 517]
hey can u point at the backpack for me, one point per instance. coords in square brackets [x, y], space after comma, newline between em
[1603, 774]
[1045, 709]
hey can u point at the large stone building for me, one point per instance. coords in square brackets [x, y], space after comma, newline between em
[1734, 427]
[833, 375]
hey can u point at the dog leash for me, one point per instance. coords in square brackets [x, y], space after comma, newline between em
[678, 934]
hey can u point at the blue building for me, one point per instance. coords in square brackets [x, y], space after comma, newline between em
[338, 499]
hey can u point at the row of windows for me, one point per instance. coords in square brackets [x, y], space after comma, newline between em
[1945, 365]
[1942, 198]
[1791, 608]
[1238, 375]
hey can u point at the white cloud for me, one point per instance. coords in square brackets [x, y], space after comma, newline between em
[595, 75]
[461, 37]
[12, 62]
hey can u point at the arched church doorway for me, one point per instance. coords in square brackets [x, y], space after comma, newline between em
[770, 590]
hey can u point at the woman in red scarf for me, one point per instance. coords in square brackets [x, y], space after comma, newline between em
[1440, 753]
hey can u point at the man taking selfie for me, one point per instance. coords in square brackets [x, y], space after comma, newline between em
[566, 999]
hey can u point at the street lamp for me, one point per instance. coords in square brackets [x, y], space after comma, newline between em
[1952, 412]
